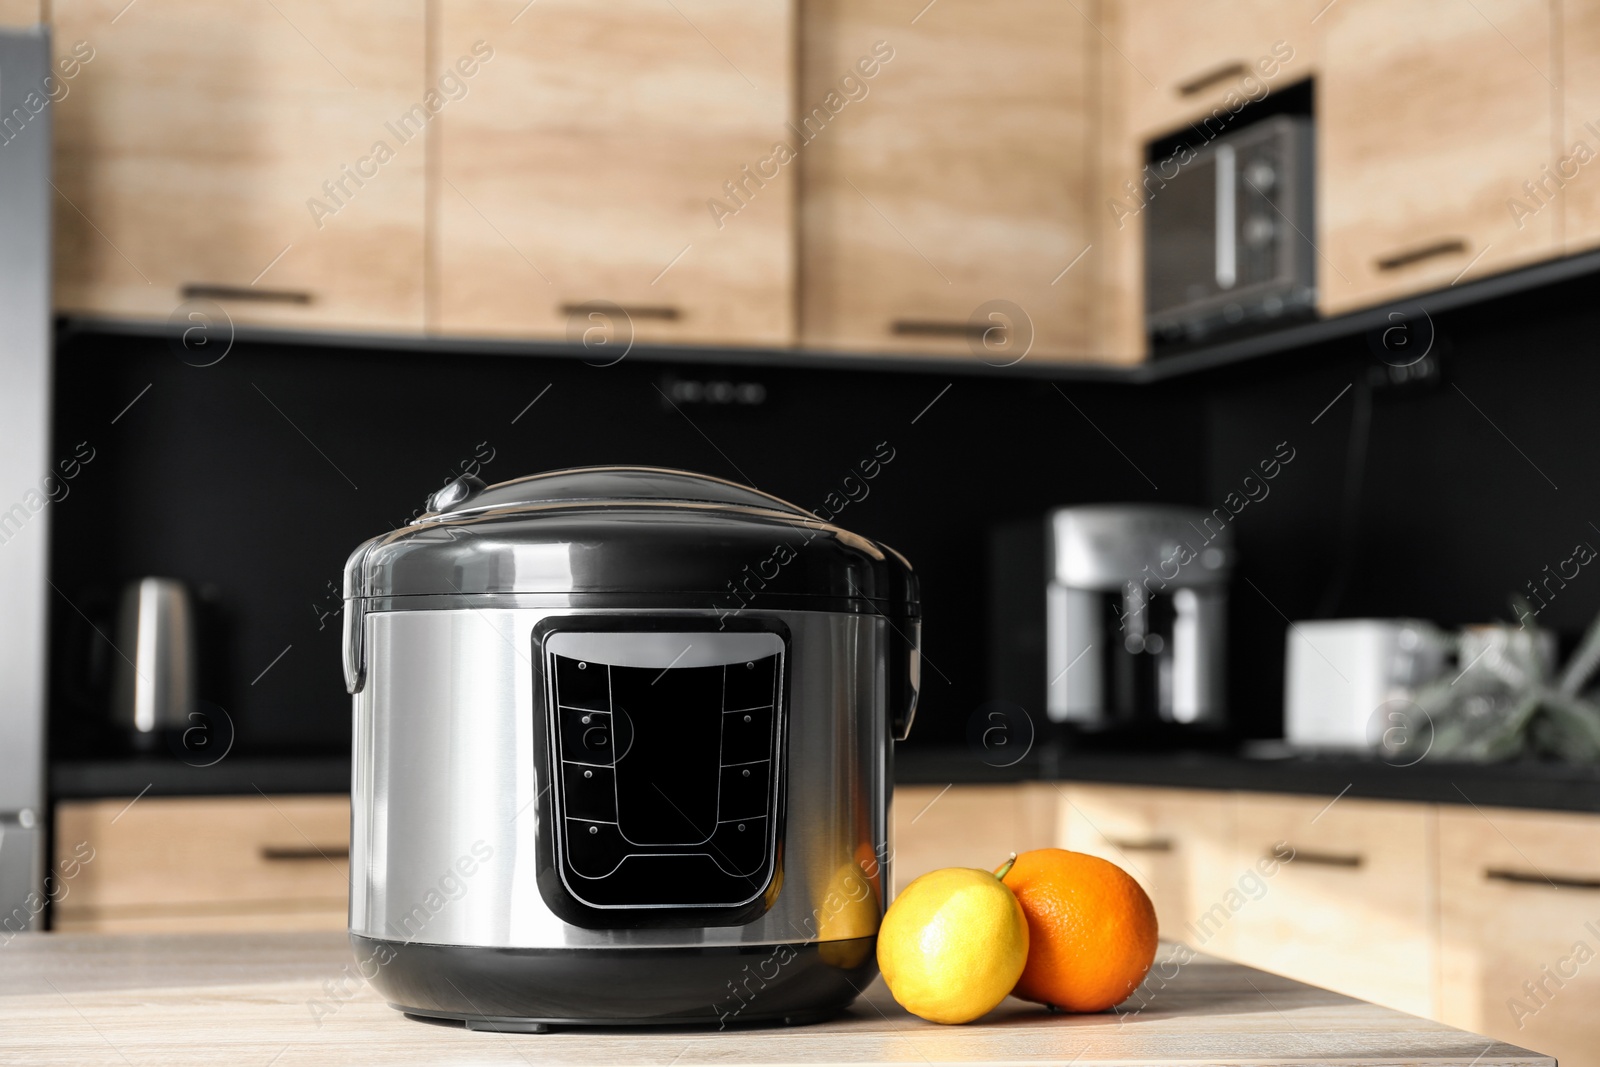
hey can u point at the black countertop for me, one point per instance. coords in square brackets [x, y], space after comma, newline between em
[1552, 786]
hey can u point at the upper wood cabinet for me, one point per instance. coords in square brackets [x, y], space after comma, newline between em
[248, 152]
[947, 169]
[1183, 61]
[1519, 928]
[20, 12]
[1570, 183]
[630, 155]
[1163, 65]
[1431, 116]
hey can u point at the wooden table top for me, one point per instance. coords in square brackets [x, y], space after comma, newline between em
[281, 1000]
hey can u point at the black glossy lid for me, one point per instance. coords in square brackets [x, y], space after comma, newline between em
[639, 530]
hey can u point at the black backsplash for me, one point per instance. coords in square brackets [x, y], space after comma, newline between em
[254, 478]
[1469, 489]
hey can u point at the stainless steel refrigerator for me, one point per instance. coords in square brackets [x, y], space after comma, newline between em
[25, 461]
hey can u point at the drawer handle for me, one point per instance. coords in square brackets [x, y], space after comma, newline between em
[1144, 844]
[1321, 859]
[663, 312]
[1495, 874]
[245, 292]
[278, 854]
[940, 328]
[1200, 83]
[1449, 246]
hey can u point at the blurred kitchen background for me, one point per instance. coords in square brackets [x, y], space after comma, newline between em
[1321, 272]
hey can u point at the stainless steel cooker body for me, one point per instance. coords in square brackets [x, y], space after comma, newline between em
[622, 743]
[453, 797]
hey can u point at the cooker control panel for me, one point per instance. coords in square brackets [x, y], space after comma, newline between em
[664, 748]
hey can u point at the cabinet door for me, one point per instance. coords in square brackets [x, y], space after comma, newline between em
[157, 864]
[946, 164]
[20, 12]
[1431, 115]
[1575, 172]
[1183, 61]
[230, 150]
[1519, 928]
[965, 826]
[1165, 64]
[621, 152]
[1177, 843]
[1353, 909]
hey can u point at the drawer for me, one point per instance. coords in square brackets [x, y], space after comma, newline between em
[1353, 910]
[965, 826]
[1177, 843]
[203, 863]
[1519, 928]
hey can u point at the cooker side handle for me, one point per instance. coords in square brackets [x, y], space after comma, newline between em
[905, 673]
[355, 660]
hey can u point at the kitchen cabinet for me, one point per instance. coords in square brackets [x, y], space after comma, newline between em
[946, 177]
[1199, 61]
[266, 158]
[20, 12]
[1167, 65]
[1431, 116]
[966, 826]
[1350, 904]
[616, 172]
[1519, 928]
[1570, 185]
[152, 864]
[1178, 844]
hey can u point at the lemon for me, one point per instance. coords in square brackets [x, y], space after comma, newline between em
[849, 917]
[953, 944]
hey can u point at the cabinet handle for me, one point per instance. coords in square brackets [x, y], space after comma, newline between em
[278, 854]
[940, 328]
[1495, 874]
[1449, 246]
[195, 291]
[1138, 844]
[1321, 859]
[664, 312]
[1201, 82]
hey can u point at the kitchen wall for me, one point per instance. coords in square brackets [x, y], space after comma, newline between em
[254, 478]
[1469, 490]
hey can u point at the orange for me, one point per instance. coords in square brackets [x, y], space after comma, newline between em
[1091, 930]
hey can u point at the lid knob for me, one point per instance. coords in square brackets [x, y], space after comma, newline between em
[455, 492]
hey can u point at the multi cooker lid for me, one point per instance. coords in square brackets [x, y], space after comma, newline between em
[630, 530]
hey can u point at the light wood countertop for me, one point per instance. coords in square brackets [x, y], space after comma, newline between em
[277, 999]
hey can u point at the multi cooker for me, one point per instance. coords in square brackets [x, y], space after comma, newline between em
[622, 752]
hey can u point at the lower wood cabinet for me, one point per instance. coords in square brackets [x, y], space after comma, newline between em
[1519, 928]
[1351, 903]
[1178, 843]
[1486, 919]
[965, 826]
[177, 864]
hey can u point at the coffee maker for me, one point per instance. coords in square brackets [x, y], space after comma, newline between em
[1135, 617]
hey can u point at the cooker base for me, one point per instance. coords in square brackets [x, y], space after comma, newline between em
[531, 990]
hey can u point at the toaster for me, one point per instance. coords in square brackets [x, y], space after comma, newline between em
[1340, 673]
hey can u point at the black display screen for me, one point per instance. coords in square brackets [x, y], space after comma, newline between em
[667, 775]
